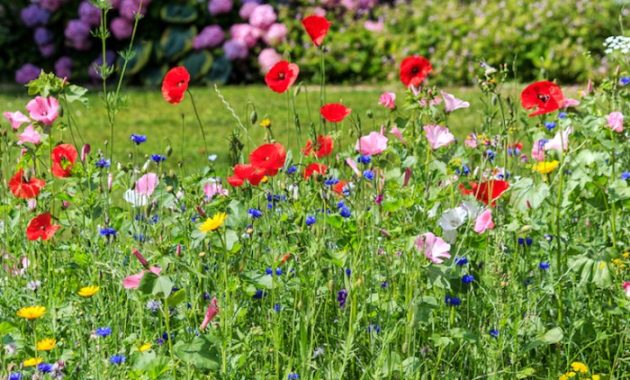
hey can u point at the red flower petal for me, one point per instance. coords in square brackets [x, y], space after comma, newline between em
[334, 112]
[175, 84]
[317, 28]
[339, 186]
[414, 69]
[544, 97]
[268, 157]
[25, 189]
[325, 146]
[282, 76]
[487, 192]
[63, 157]
[40, 228]
[314, 168]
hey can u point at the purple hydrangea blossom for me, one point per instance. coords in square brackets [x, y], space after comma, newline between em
[33, 15]
[94, 71]
[217, 7]
[262, 16]
[27, 73]
[63, 67]
[77, 34]
[42, 36]
[121, 28]
[129, 8]
[89, 13]
[235, 49]
[51, 5]
[211, 36]
[47, 50]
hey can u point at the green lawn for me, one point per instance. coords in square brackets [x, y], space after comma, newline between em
[147, 113]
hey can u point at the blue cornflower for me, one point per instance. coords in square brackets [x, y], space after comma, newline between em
[269, 271]
[465, 169]
[259, 294]
[625, 176]
[624, 81]
[550, 125]
[544, 265]
[345, 212]
[528, 241]
[117, 359]
[461, 261]
[103, 163]
[103, 331]
[490, 154]
[293, 376]
[331, 181]
[278, 271]
[348, 272]
[340, 204]
[157, 158]
[364, 159]
[368, 174]
[15, 376]
[562, 115]
[494, 333]
[374, 328]
[255, 213]
[310, 220]
[277, 308]
[291, 169]
[342, 295]
[510, 152]
[384, 284]
[45, 367]
[468, 278]
[154, 305]
[452, 301]
[138, 139]
[139, 238]
[521, 241]
[107, 231]
[154, 219]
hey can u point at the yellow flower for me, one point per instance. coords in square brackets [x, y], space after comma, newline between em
[579, 367]
[32, 362]
[144, 347]
[31, 312]
[88, 291]
[213, 223]
[626, 255]
[618, 263]
[265, 123]
[545, 167]
[563, 377]
[46, 344]
[571, 374]
[595, 377]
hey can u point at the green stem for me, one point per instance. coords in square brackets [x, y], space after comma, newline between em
[203, 133]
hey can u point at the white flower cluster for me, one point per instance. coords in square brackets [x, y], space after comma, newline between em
[617, 44]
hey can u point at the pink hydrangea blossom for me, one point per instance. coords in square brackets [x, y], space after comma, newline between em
[372, 144]
[44, 110]
[276, 34]
[211, 312]
[262, 16]
[438, 136]
[30, 135]
[267, 58]
[246, 10]
[451, 103]
[388, 100]
[217, 7]
[433, 247]
[484, 222]
[246, 34]
[214, 188]
[16, 119]
[615, 121]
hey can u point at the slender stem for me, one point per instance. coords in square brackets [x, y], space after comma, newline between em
[203, 133]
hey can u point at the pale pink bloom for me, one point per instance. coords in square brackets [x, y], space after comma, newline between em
[263, 16]
[211, 312]
[30, 135]
[246, 34]
[560, 141]
[353, 166]
[146, 184]
[214, 188]
[451, 103]
[538, 152]
[433, 247]
[31, 204]
[374, 26]
[217, 7]
[319, 11]
[16, 119]
[569, 102]
[44, 110]
[615, 121]
[484, 222]
[438, 136]
[246, 10]
[471, 140]
[268, 58]
[372, 144]
[276, 34]
[133, 281]
[432, 102]
[626, 288]
[397, 133]
[388, 100]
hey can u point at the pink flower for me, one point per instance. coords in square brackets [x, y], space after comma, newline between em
[245, 33]
[16, 119]
[471, 140]
[133, 281]
[217, 7]
[214, 188]
[211, 312]
[615, 121]
[431, 102]
[538, 152]
[569, 102]
[434, 248]
[484, 222]
[276, 34]
[246, 10]
[626, 288]
[438, 136]
[146, 184]
[30, 135]
[388, 100]
[560, 141]
[396, 132]
[267, 58]
[451, 103]
[374, 26]
[353, 166]
[32, 204]
[44, 110]
[372, 144]
[262, 16]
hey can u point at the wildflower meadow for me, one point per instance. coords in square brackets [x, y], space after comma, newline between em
[351, 246]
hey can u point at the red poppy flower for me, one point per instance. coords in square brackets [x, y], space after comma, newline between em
[63, 158]
[235, 181]
[314, 168]
[543, 96]
[316, 27]
[487, 192]
[325, 146]
[414, 69]
[340, 186]
[40, 228]
[175, 84]
[334, 112]
[246, 172]
[25, 188]
[269, 157]
[282, 76]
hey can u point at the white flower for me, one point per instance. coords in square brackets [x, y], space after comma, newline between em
[136, 200]
[452, 218]
[33, 285]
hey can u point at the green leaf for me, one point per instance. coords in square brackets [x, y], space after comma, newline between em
[176, 42]
[176, 298]
[163, 285]
[200, 352]
[553, 336]
[148, 283]
[138, 57]
[178, 13]
[525, 373]
[198, 63]
[526, 195]
[220, 72]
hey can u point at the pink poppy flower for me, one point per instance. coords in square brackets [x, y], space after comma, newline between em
[16, 119]
[44, 110]
[133, 281]
[214, 188]
[433, 247]
[626, 288]
[438, 136]
[397, 133]
[353, 166]
[559, 141]
[484, 222]
[451, 103]
[372, 144]
[146, 184]
[211, 312]
[388, 100]
[30, 135]
[615, 121]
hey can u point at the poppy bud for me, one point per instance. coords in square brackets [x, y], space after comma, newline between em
[145, 167]
[253, 117]
[85, 150]
[369, 114]
[200, 212]
[178, 250]
[140, 258]
[169, 151]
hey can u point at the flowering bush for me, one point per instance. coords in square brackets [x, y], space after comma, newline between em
[408, 254]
